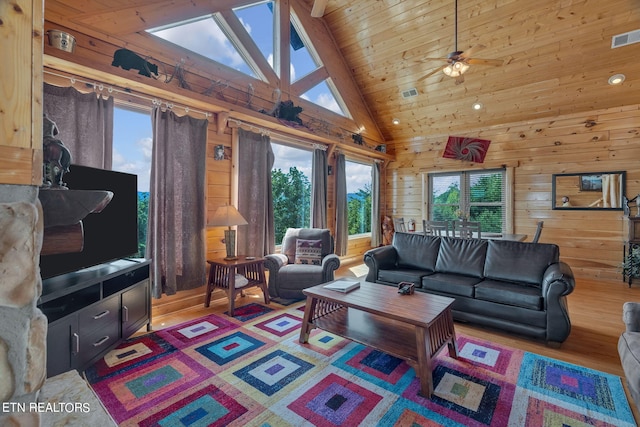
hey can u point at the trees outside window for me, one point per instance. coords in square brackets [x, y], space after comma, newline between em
[471, 195]
[358, 197]
[291, 189]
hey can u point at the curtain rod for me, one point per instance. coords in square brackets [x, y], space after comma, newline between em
[111, 89]
[280, 135]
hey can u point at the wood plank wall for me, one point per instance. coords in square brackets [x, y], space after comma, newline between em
[603, 140]
[21, 92]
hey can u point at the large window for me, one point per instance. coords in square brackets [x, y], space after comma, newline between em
[358, 197]
[132, 142]
[472, 195]
[291, 188]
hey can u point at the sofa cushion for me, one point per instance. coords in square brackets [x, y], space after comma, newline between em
[452, 284]
[461, 256]
[416, 250]
[294, 276]
[520, 262]
[515, 294]
[398, 275]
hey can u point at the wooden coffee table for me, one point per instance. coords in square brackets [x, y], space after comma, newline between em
[411, 327]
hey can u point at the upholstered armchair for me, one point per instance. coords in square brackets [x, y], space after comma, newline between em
[306, 260]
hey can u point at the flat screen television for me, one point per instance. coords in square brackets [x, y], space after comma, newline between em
[109, 235]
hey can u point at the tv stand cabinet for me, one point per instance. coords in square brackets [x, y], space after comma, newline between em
[92, 310]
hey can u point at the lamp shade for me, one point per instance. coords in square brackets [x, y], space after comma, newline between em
[227, 216]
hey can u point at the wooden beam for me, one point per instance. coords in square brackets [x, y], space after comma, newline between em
[247, 47]
[318, 8]
[309, 81]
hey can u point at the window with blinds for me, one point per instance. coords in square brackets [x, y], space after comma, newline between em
[471, 195]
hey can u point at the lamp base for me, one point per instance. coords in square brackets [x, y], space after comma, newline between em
[230, 243]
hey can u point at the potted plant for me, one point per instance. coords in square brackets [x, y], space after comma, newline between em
[630, 266]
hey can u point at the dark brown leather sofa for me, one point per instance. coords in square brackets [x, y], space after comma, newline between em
[518, 287]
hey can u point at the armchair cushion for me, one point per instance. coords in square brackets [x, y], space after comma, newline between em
[308, 252]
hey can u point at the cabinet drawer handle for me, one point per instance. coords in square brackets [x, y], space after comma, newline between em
[101, 341]
[76, 338]
[101, 315]
[125, 314]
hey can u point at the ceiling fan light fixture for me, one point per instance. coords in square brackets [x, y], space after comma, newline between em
[616, 79]
[477, 106]
[455, 69]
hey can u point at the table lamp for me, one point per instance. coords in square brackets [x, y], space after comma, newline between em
[227, 216]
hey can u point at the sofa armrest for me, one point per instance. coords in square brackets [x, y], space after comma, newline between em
[330, 263]
[273, 263]
[559, 276]
[557, 282]
[631, 316]
[382, 258]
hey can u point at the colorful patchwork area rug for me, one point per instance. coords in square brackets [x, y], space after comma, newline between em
[252, 371]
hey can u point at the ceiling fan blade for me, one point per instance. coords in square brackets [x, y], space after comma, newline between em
[469, 52]
[429, 74]
[431, 59]
[460, 79]
[478, 61]
[318, 8]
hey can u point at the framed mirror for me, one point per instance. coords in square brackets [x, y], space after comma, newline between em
[588, 190]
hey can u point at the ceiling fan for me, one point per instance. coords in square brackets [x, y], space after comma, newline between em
[458, 62]
[318, 8]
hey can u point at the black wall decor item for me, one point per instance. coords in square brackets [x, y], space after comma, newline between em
[128, 60]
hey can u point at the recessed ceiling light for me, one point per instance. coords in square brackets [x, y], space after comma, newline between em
[616, 79]
[477, 106]
[395, 121]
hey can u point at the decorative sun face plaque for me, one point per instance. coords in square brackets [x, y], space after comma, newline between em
[465, 148]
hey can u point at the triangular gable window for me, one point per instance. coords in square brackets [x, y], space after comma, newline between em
[203, 36]
[213, 37]
[322, 95]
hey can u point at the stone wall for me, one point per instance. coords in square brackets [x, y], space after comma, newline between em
[23, 327]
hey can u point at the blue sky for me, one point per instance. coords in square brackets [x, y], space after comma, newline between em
[132, 130]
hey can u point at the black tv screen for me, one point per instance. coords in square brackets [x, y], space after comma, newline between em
[109, 235]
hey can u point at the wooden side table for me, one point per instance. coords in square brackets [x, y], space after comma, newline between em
[222, 274]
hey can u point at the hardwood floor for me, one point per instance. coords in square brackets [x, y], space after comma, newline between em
[595, 308]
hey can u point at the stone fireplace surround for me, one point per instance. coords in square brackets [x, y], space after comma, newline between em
[26, 399]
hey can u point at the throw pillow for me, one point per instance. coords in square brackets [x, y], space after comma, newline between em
[309, 252]
[241, 281]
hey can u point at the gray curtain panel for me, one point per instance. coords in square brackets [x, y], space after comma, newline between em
[85, 122]
[255, 201]
[342, 226]
[376, 220]
[176, 238]
[319, 189]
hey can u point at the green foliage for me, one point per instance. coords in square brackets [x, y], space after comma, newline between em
[488, 189]
[143, 215]
[359, 211]
[291, 200]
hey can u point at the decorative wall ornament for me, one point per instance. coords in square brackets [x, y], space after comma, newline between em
[465, 148]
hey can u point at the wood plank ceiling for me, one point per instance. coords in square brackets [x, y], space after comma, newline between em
[557, 55]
